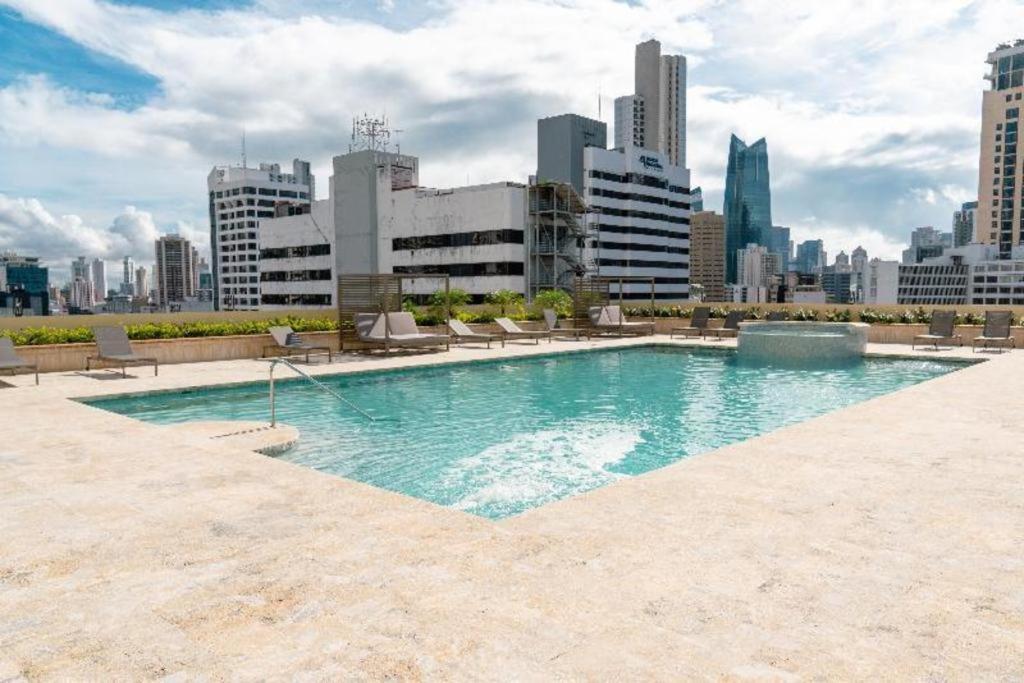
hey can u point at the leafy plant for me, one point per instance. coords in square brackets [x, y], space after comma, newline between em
[805, 315]
[838, 315]
[507, 301]
[555, 299]
[440, 305]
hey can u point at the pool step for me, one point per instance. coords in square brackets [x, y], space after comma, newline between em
[247, 435]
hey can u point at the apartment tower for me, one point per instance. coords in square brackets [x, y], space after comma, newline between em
[175, 270]
[707, 253]
[654, 117]
[999, 219]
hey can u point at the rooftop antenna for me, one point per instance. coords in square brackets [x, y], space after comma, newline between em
[244, 160]
[370, 133]
[599, 102]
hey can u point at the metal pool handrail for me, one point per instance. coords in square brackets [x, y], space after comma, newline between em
[323, 387]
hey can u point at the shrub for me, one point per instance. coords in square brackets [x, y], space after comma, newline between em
[35, 336]
[440, 306]
[555, 299]
[805, 315]
[508, 302]
[838, 315]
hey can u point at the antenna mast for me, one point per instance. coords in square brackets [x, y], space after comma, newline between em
[244, 160]
[370, 133]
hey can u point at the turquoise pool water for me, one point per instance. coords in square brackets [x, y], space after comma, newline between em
[500, 437]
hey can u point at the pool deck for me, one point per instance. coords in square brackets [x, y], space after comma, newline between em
[880, 541]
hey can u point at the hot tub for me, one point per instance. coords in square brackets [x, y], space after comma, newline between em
[794, 342]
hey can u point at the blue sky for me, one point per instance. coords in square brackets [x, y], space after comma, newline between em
[111, 114]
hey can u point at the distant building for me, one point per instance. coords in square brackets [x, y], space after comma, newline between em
[707, 254]
[839, 285]
[654, 117]
[963, 224]
[779, 243]
[560, 144]
[696, 200]
[141, 282]
[748, 204]
[757, 274]
[127, 276]
[239, 198]
[24, 286]
[940, 280]
[859, 260]
[881, 282]
[99, 279]
[175, 272]
[1000, 219]
[810, 256]
[925, 243]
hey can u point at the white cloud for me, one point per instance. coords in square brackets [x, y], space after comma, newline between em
[27, 227]
[850, 95]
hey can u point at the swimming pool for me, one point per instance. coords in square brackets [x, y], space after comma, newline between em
[499, 437]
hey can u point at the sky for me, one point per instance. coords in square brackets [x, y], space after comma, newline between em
[113, 113]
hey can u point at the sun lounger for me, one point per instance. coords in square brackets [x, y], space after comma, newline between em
[113, 347]
[612, 319]
[551, 320]
[396, 330]
[509, 331]
[698, 323]
[462, 333]
[731, 326]
[285, 339]
[11, 361]
[996, 332]
[940, 329]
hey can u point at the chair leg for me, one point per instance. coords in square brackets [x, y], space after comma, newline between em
[124, 371]
[37, 375]
[156, 368]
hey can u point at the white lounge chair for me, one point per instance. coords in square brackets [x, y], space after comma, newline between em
[612, 319]
[462, 333]
[286, 339]
[509, 330]
[112, 346]
[395, 330]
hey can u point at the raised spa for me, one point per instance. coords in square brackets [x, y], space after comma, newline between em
[800, 342]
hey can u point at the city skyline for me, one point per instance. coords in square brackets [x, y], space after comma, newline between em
[109, 132]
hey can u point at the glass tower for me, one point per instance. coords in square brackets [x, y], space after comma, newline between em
[748, 202]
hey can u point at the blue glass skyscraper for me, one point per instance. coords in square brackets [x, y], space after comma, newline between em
[748, 201]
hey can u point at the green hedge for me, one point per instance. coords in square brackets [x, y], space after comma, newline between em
[34, 336]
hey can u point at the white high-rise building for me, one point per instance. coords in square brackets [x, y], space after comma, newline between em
[99, 280]
[654, 117]
[239, 198]
[142, 282]
[881, 282]
[638, 208]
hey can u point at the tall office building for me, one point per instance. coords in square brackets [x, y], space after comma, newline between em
[174, 270]
[128, 276]
[707, 253]
[239, 197]
[24, 285]
[560, 144]
[859, 259]
[696, 200]
[810, 256]
[963, 224]
[1000, 219]
[638, 207]
[748, 201]
[99, 280]
[779, 243]
[926, 242]
[654, 117]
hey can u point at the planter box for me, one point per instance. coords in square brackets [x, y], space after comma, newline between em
[65, 357]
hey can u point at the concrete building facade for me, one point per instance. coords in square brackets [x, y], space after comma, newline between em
[175, 269]
[638, 211]
[297, 259]
[560, 144]
[654, 117]
[239, 198]
[881, 282]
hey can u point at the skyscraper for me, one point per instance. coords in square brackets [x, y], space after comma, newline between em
[654, 117]
[696, 200]
[780, 244]
[963, 224]
[810, 256]
[175, 270]
[128, 276]
[748, 202]
[1001, 178]
[142, 282]
[99, 280]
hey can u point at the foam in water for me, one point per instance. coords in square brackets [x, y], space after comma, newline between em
[535, 468]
